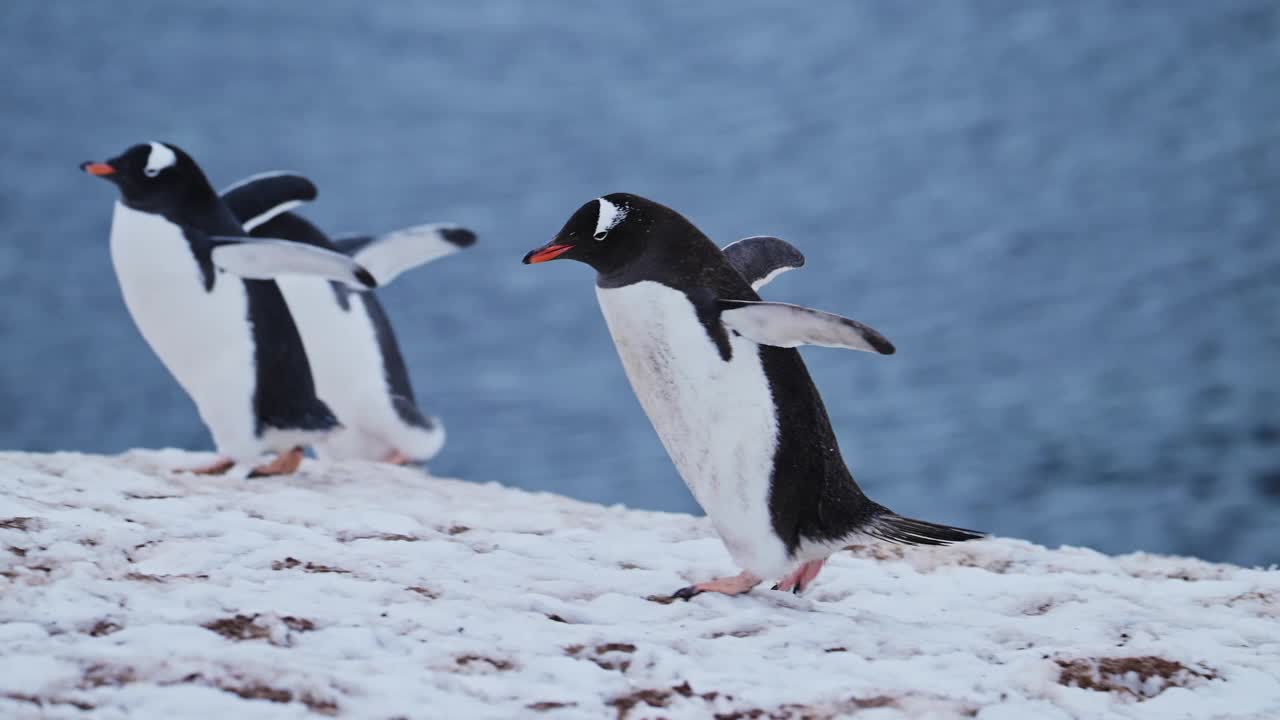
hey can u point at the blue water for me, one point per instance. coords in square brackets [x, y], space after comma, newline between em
[1063, 214]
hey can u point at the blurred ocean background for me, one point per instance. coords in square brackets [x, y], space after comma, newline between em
[1065, 215]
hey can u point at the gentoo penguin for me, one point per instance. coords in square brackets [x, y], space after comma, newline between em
[358, 368]
[229, 342]
[715, 370]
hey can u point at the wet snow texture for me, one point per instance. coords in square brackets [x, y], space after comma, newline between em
[129, 590]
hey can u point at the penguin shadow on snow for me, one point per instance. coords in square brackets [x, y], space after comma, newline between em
[715, 368]
[263, 320]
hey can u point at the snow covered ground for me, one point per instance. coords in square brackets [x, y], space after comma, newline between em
[363, 591]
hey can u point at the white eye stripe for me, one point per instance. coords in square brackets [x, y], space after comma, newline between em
[160, 158]
[609, 217]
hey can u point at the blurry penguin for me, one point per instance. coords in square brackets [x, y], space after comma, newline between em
[355, 358]
[716, 371]
[230, 342]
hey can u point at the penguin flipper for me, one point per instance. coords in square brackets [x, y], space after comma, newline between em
[783, 325]
[761, 258]
[293, 227]
[269, 258]
[389, 254]
[258, 198]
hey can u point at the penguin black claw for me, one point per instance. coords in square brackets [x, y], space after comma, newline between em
[686, 593]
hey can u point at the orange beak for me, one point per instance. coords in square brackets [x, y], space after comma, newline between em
[97, 168]
[543, 254]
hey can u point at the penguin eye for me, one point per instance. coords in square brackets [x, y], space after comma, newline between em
[151, 172]
[601, 235]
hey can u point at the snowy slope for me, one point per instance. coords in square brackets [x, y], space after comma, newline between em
[128, 590]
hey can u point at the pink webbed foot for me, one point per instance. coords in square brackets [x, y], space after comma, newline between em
[398, 458]
[800, 579]
[284, 464]
[736, 585]
[217, 467]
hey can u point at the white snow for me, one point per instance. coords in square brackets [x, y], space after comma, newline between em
[369, 591]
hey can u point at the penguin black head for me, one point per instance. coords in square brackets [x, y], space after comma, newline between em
[611, 231]
[153, 177]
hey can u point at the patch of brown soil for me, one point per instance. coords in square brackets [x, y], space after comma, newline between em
[742, 633]
[96, 676]
[546, 705]
[497, 664]
[389, 537]
[258, 691]
[246, 627]
[651, 697]
[291, 562]
[320, 706]
[239, 627]
[298, 624]
[793, 711]
[424, 592]
[1130, 675]
[1253, 596]
[145, 577]
[41, 702]
[656, 697]
[17, 523]
[1040, 608]
[610, 656]
[104, 627]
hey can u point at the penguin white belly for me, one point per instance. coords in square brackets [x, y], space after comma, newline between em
[346, 362]
[203, 338]
[716, 419]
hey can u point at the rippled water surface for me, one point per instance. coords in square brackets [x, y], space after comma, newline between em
[1063, 214]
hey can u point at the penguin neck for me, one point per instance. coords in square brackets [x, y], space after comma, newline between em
[196, 205]
[614, 267]
[208, 213]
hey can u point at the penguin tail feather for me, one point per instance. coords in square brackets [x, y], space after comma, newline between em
[906, 531]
